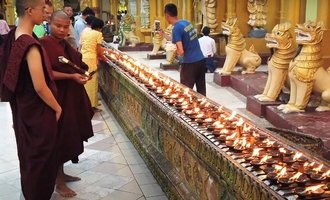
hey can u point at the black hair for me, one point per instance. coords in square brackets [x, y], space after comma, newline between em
[88, 11]
[97, 24]
[206, 30]
[49, 3]
[89, 19]
[67, 5]
[1, 16]
[171, 9]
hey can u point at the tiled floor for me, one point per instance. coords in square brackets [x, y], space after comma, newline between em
[110, 167]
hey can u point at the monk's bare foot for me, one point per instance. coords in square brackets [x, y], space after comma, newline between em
[68, 178]
[64, 191]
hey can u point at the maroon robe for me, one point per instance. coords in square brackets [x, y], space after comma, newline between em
[75, 125]
[34, 121]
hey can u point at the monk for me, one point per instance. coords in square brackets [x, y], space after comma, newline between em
[26, 81]
[75, 124]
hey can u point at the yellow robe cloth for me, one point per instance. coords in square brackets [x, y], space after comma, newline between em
[89, 41]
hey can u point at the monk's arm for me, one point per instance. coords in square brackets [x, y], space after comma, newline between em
[76, 77]
[33, 58]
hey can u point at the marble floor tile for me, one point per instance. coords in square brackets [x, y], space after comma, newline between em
[163, 197]
[152, 190]
[134, 159]
[121, 195]
[144, 179]
[114, 181]
[7, 189]
[139, 168]
[108, 168]
[125, 145]
[120, 159]
[131, 187]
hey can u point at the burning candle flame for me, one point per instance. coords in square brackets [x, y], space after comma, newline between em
[256, 152]
[186, 91]
[278, 168]
[246, 128]
[282, 173]
[282, 150]
[318, 169]
[297, 156]
[325, 174]
[268, 142]
[236, 142]
[231, 137]
[233, 114]
[313, 188]
[208, 120]
[224, 131]
[240, 122]
[265, 158]
[296, 176]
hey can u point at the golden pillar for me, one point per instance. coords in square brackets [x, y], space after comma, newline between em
[58, 4]
[293, 11]
[95, 5]
[189, 10]
[10, 12]
[231, 8]
[85, 3]
[323, 9]
[159, 8]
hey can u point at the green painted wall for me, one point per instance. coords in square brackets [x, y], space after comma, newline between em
[311, 10]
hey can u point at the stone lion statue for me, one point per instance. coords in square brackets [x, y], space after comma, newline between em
[236, 52]
[306, 72]
[159, 41]
[281, 41]
[127, 31]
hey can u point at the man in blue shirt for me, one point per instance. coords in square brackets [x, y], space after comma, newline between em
[189, 52]
[81, 24]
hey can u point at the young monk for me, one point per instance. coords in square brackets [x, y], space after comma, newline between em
[75, 125]
[26, 82]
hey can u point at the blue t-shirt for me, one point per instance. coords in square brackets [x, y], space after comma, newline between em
[185, 32]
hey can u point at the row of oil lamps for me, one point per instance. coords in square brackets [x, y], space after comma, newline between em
[282, 165]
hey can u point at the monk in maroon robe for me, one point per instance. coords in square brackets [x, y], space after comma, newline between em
[26, 81]
[75, 124]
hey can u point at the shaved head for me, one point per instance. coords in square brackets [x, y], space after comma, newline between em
[22, 5]
[60, 14]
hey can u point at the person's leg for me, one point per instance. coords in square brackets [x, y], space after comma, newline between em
[209, 64]
[200, 77]
[187, 75]
[61, 186]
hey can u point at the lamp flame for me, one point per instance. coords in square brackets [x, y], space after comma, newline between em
[296, 176]
[297, 156]
[282, 173]
[313, 188]
[256, 152]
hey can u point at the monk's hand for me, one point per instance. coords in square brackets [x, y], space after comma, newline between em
[81, 79]
[58, 113]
